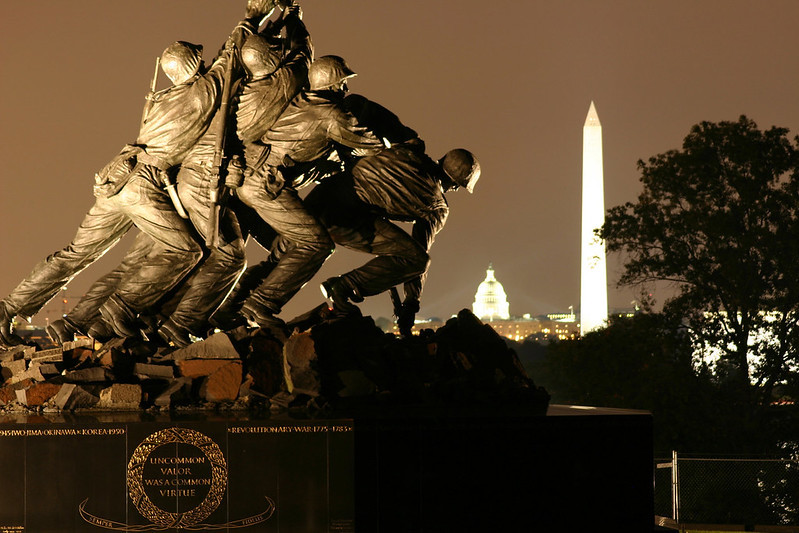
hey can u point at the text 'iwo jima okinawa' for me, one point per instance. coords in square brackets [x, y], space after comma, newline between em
[221, 157]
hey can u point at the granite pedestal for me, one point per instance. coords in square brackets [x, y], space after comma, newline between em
[396, 470]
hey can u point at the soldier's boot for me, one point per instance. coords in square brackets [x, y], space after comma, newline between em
[62, 330]
[100, 331]
[174, 334]
[263, 317]
[342, 294]
[120, 318]
[227, 319]
[7, 337]
[148, 325]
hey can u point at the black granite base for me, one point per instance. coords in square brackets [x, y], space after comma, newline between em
[177, 475]
[575, 469]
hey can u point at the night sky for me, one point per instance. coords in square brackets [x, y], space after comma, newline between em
[512, 81]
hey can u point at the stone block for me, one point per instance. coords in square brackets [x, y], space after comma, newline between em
[105, 359]
[265, 363]
[104, 355]
[223, 385]
[17, 352]
[78, 355]
[83, 342]
[85, 375]
[147, 371]
[8, 393]
[37, 394]
[9, 369]
[120, 396]
[55, 354]
[62, 397]
[217, 346]
[72, 396]
[174, 393]
[33, 372]
[198, 368]
[49, 370]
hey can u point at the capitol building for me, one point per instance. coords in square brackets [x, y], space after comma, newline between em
[491, 302]
[491, 306]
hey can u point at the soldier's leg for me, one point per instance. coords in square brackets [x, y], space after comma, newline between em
[100, 229]
[399, 257]
[175, 252]
[228, 316]
[309, 246]
[351, 224]
[87, 311]
[210, 283]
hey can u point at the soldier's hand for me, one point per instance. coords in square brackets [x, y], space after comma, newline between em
[294, 10]
[235, 173]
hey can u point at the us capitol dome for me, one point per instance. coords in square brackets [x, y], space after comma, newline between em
[491, 302]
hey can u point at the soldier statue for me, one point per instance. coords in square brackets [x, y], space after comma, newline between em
[129, 192]
[400, 183]
[280, 160]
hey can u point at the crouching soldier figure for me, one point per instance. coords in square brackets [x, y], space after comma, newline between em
[400, 183]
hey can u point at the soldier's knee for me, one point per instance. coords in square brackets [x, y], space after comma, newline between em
[420, 262]
[324, 248]
[318, 239]
[249, 191]
[192, 256]
[327, 242]
[230, 250]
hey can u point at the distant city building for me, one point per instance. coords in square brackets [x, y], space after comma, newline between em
[490, 301]
[517, 329]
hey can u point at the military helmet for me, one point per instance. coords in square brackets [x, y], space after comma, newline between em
[328, 71]
[181, 60]
[461, 167]
[258, 56]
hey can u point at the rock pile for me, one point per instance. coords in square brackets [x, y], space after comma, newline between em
[327, 362]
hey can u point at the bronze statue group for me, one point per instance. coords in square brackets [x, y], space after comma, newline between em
[220, 157]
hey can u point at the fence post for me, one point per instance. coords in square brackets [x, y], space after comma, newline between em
[675, 488]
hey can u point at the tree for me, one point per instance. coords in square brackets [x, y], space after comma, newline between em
[644, 362]
[718, 219]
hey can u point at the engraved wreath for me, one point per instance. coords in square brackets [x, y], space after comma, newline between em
[136, 482]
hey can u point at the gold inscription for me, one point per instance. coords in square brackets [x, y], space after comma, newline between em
[177, 493]
[86, 432]
[176, 477]
[290, 429]
[176, 460]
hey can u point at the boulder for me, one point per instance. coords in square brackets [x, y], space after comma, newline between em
[37, 394]
[223, 384]
[217, 346]
[300, 365]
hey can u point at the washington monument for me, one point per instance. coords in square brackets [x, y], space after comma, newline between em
[593, 270]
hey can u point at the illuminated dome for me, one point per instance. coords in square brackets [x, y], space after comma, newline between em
[491, 302]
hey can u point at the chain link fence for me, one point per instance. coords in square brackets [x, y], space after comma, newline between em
[741, 491]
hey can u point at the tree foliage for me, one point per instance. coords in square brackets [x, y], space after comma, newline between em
[719, 219]
[643, 362]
